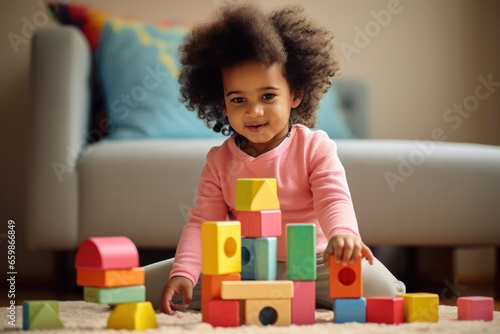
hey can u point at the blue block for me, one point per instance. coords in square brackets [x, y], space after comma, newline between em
[248, 258]
[349, 310]
[266, 253]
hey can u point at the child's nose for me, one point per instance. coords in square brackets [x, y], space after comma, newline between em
[255, 110]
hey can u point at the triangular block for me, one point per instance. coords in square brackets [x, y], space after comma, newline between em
[133, 316]
[256, 195]
[41, 314]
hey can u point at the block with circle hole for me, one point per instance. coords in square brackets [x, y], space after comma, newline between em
[346, 281]
[264, 312]
[220, 248]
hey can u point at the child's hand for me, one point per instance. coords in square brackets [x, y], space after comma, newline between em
[177, 285]
[346, 248]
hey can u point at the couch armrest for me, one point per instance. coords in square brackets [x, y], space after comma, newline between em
[60, 90]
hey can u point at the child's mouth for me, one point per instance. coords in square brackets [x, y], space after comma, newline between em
[256, 128]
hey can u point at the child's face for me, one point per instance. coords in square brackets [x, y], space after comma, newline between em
[258, 102]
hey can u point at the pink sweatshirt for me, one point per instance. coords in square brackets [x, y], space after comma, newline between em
[312, 188]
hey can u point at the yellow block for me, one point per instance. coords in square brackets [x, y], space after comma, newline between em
[133, 316]
[421, 307]
[257, 290]
[220, 248]
[256, 195]
[262, 312]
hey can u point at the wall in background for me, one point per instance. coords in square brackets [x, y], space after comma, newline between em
[422, 59]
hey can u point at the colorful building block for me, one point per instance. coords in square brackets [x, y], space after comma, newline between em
[258, 224]
[349, 310]
[345, 281]
[304, 302]
[475, 308]
[257, 290]
[301, 252]
[110, 278]
[421, 307]
[385, 310]
[248, 258]
[221, 248]
[256, 195]
[133, 316]
[264, 312]
[40, 314]
[210, 289]
[266, 254]
[223, 313]
[128, 294]
[107, 253]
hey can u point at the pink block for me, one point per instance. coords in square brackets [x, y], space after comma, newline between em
[385, 310]
[303, 302]
[223, 313]
[107, 253]
[258, 224]
[475, 308]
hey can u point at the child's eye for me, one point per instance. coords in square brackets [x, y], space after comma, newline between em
[268, 96]
[238, 100]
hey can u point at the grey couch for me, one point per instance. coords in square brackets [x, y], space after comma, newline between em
[406, 193]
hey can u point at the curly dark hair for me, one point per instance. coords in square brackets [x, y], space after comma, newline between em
[242, 32]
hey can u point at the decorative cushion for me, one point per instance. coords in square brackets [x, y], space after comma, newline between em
[136, 69]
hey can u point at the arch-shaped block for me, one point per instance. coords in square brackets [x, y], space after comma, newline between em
[107, 253]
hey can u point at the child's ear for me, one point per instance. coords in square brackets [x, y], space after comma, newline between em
[296, 99]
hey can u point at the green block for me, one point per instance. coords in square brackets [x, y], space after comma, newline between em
[301, 252]
[41, 314]
[128, 294]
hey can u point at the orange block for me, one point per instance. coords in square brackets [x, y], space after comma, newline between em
[210, 289]
[110, 278]
[345, 281]
[107, 253]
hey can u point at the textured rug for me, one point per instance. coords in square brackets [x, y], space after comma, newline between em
[83, 317]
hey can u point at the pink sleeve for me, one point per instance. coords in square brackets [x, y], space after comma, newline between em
[332, 199]
[209, 206]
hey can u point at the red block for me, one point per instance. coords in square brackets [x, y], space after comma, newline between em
[303, 302]
[224, 313]
[258, 224]
[107, 253]
[385, 310]
[475, 308]
[210, 289]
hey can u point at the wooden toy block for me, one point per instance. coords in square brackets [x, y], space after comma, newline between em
[266, 259]
[128, 294]
[263, 312]
[475, 308]
[259, 224]
[223, 313]
[257, 290]
[40, 314]
[133, 316]
[210, 289]
[385, 310]
[301, 252]
[256, 195]
[303, 302]
[110, 278]
[421, 307]
[349, 310]
[248, 258]
[345, 281]
[107, 253]
[221, 248]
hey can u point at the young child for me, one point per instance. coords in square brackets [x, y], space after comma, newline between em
[259, 78]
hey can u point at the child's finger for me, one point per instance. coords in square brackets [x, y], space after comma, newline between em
[338, 249]
[367, 253]
[348, 251]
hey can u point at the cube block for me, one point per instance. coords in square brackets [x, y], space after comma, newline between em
[345, 281]
[301, 252]
[385, 310]
[223, 313]
[304, 302]
[421, 307]
[110, 278]
[221, 247]
[253, 194]
[349, 310]
[475, 308]
[258, 224]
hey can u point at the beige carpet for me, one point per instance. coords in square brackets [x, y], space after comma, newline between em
[83, 317]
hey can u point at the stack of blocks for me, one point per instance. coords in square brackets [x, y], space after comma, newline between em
[108, 269]
[239, 264]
